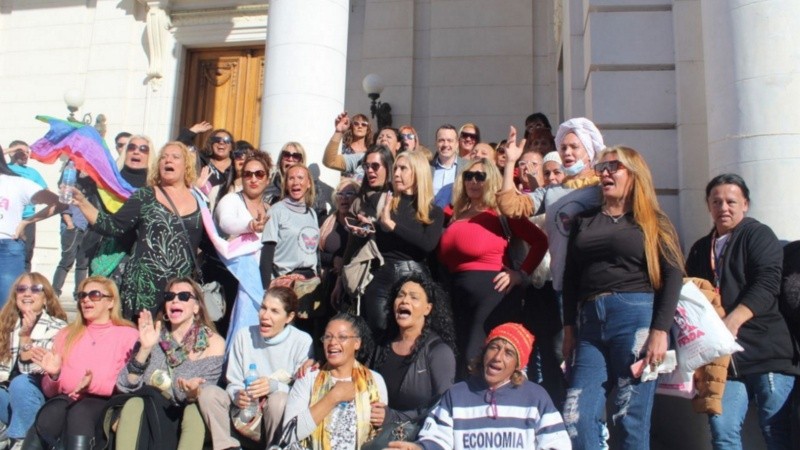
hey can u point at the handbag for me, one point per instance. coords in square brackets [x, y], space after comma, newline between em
[213, 294]
[251, 429]
[288, 439]
[308, 291]
[398, 431]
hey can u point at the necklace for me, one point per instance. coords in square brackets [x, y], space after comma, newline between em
[614, 219]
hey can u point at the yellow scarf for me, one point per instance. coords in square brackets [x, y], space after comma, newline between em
[366, 394]
[580, 183]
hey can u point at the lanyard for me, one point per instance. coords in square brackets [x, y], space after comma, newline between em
[715, 258]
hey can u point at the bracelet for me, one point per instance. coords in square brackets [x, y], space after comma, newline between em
[27, 347]
[137, 368]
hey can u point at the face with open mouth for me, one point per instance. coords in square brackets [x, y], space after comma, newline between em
[345, 197]
[272, 317]
[96, 311]
[616, 185]
[388, 138]
[135, 158]
[171, 165]
[297, 183]
[179, 312]
[572, 151]
[499, 362]
[411, 306]
[375, 178]
[340, 343]
[29, 300]
[222, 145]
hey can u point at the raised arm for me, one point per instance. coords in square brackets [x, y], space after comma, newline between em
[331, 158]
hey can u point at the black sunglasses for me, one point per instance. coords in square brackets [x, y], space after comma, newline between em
[292, 156]
[374, 166]
[240, 154]
[465, 135]
[183, 296]
[142, 148]
[259, 174]
[478, 176]
[221, 140]
[611, 166]
[94, 296]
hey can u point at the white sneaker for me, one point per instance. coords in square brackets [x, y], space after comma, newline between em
[17, 444]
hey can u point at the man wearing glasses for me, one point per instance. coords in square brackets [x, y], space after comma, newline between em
[20, 154]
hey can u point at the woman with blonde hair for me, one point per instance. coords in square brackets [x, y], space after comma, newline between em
[407, 230]
[166, 217]
[30, 318]
[291, 235]
[622, 280]
[293, 153]
[81, 370]
[474, 249]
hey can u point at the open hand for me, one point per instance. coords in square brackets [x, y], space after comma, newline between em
[149, 333]
[513, 148]
[49, 362]
[342, 122]
[82, 387]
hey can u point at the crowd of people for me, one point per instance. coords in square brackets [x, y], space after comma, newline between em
[472, 295]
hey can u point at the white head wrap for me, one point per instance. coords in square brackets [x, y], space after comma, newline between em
[552, 156]
[586, 131]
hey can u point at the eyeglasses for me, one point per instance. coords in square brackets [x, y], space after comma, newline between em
[478, 176]
[94, 296]
[292, 156]
[183, 296]
[221, 140]
[34, 288]
[361, 124]
[374, 166]
[348, 194]
[465, 135]
[240, 154]
[611, 166]
[408, 136]
[501, 151]
[259, 174]
[142, 148]
[328, 338]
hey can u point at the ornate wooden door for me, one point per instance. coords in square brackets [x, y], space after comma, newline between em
[224, 87]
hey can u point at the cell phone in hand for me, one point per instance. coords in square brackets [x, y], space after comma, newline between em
[355, 223]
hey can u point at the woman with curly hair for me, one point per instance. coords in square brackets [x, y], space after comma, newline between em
[417, 360]
[355, 137]
[31, 317]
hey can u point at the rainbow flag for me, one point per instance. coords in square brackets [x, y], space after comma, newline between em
[88, 151]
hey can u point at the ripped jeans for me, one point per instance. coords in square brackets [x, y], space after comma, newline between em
[612, 330]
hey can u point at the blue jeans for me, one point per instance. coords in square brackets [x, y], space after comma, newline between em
[772, 392]
[12, 261]
[20, 403]
[611, 333]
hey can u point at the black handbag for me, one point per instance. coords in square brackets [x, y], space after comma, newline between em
[398, 431]
[289, 439]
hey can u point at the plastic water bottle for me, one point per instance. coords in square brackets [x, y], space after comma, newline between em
[68, 179]
[247, 414]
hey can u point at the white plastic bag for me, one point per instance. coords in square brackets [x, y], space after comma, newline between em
[700, 335]
[677, 384]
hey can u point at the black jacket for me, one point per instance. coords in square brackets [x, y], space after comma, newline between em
[430, 374]
[750, 274]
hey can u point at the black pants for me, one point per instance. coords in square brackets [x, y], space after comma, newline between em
[59, 418]
[375, 303]
[543, 319]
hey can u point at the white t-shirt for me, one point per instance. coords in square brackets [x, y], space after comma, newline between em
[296, 235]
[15, 193]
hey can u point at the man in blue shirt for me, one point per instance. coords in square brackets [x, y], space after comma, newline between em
[446, 165]
[20, 154]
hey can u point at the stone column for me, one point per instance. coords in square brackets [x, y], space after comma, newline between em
[752, 85]
[304, 79]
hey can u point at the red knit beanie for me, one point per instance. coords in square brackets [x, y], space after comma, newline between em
[520, 338]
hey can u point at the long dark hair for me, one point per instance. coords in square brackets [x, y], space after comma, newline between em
[4, 169]
[362, 330]
[440, 320]
[387, 161]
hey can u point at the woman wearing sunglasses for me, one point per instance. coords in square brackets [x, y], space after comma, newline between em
[473, 248]
[31, 318]
[216, 155]
[178, 355]
[468, 135]
[622, 280]
[81, 370]
[354, 136]
[333, 237]
[166, 217]
[339, 406]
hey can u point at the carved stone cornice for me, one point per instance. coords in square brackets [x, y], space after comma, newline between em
[245, 15]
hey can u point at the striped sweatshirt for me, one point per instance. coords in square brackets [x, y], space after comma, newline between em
[521, 417]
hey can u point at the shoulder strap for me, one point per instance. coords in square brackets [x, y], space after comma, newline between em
[506, 228]
[174, 210]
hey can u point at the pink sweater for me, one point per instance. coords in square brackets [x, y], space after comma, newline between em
[103, 349]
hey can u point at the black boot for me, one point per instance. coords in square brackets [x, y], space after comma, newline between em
[80, 442]
[32, 440]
